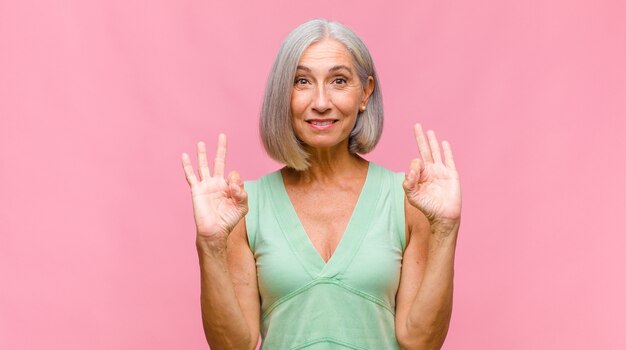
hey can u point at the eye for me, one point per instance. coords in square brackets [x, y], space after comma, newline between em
[340, 81]
[301, 81]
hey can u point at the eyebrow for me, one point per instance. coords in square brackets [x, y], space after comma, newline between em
[339, 67]
[333, 69]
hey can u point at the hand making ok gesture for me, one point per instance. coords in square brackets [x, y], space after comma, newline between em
[432, 184]
[218, 203]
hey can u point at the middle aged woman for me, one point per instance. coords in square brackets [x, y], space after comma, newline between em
[331, 251]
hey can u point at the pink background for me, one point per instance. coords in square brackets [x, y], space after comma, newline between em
[99, 99]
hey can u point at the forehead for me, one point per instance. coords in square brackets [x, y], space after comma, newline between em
[325, 54]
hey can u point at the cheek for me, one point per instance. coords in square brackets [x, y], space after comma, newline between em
[348, 102]
[348, 106]
[299, 101]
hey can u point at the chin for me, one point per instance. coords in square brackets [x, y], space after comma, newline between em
[324, 143]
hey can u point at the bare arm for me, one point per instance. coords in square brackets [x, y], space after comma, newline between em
[229, 293]
[424, 299]
[433, 209]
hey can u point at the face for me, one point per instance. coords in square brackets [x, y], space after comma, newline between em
[327, 95]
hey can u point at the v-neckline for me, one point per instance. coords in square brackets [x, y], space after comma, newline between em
[351, 238]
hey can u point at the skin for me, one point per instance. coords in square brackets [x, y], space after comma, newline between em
[324, 196]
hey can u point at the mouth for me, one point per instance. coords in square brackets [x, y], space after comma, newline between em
[322, 122]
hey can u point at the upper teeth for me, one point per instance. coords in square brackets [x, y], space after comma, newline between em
[325, 122]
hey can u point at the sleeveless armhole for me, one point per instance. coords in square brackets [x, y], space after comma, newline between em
[398, 191]
[252, 215]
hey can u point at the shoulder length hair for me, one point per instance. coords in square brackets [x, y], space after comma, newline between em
[276, 129]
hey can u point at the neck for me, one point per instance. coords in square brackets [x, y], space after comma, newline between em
[329, 166]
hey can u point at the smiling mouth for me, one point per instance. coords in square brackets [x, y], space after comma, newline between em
[322, 122]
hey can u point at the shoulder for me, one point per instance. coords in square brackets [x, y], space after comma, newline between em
[260, 193]
[263, 179]
[416, 223]
[384, 172]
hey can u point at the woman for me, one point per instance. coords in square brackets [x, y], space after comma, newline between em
[331, 251]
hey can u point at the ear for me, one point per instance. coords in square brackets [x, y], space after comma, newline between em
[368, 89]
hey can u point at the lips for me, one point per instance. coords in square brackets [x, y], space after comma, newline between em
[321, 122]
[321, 125]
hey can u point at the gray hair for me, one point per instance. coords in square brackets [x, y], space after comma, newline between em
[276, 129]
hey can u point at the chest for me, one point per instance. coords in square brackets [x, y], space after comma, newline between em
[324, 214]
[305, 238]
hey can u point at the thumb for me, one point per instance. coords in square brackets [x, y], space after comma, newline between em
[234, 177]
[412, 177]
[236, 189]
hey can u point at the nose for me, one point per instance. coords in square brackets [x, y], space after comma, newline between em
[321, 102]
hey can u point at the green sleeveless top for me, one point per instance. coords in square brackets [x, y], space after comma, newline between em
[346, 303]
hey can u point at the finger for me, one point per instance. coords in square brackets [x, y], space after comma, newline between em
[234, 177]
[416, 169]
[203, 163]
[238, 193]
[406, 185]
[188, 168]
[422, 144]
[220, 156]
[447, 153]
[235, 188]
[434, 146]
[413, 175]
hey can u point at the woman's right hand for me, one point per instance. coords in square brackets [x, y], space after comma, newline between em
[218, 203]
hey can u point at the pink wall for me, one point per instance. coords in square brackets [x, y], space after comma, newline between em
[98, 101]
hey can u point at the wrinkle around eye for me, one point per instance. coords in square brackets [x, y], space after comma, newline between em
[301, 81]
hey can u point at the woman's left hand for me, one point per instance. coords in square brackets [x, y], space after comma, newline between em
[432, 184]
